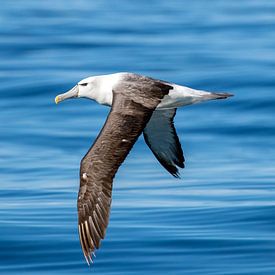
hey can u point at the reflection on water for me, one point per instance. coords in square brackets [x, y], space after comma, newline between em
[217, 219]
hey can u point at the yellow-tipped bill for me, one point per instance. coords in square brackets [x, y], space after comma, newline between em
[73, 93]
[57, 99]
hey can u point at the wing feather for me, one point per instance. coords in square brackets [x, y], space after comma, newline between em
[133, 105]
[161, 137]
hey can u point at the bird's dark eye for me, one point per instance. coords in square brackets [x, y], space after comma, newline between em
[83, 84]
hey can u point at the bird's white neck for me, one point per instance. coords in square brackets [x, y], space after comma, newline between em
[104, 88]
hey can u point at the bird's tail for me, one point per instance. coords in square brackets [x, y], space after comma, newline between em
[219, 95]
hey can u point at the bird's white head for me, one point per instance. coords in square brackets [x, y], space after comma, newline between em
[88, 87]
[98, 88]
[85, 88]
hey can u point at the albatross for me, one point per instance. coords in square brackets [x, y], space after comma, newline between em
[139, 104]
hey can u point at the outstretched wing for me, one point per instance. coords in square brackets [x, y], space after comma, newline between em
[161, 137]
[131, 110]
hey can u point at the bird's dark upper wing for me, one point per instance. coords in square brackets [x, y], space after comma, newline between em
[161, 137]
[133, 104]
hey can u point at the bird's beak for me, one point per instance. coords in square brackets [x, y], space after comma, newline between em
[70, 94]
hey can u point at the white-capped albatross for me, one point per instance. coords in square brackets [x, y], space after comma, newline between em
[138, 104]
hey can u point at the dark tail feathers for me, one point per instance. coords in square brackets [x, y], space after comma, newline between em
[221, 95]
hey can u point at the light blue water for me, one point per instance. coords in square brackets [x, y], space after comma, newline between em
[219, 218]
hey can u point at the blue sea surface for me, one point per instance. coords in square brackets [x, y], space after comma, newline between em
[218, 219]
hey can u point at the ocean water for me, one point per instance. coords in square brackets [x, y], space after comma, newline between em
[218, 218]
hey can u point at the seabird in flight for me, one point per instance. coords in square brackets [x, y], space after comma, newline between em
[138, 104]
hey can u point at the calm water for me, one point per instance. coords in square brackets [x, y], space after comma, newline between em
[219, 218]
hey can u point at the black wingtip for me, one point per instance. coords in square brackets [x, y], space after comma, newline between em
[174, 171]
[177, 175]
